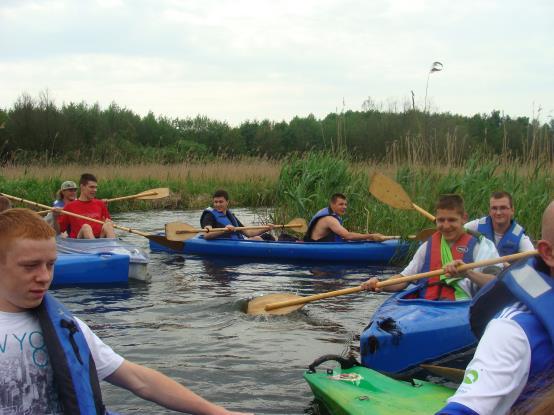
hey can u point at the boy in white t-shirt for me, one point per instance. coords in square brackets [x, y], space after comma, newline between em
[28, 382]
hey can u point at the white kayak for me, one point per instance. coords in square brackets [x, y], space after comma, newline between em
[138, 259]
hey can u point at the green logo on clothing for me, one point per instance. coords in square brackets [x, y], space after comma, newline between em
[471, 376]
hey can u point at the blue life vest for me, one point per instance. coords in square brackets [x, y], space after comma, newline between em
[527, 282]
[58, 203]
[331, 237]
[71, 361]
[223, 220]
[509, 244]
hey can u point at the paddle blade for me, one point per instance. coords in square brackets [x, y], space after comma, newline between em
[152, 194]
[161, 240]
[455, 375]
[298, 225]
[178, 231]
[389, 192]
[256, 306]
[423, 234]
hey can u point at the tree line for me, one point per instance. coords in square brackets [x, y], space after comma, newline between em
[38, 130]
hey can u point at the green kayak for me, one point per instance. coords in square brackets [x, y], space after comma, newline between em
[358, 390]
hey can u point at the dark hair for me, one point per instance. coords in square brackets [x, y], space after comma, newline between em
[502, 194]
[87, 177]
[451, 202]
[336, 196]
[221, 193]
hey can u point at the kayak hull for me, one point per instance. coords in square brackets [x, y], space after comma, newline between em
[138, 260]
[358, 252]
[91, 269]
[362, 391]
[403, 333]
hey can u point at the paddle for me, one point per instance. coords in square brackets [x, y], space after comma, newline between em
[178, 231]
[177, 246]
[151, 194]
[422, 235]
[450, 373]
[286, 303]
[392, 194]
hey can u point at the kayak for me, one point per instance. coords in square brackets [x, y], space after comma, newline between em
[351, 389]
[138, 260]
[88, 269]
[403, 333]
[359, 252]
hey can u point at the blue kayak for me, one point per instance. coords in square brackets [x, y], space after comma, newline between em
[404, 333]
[359, 252]
[88, 269]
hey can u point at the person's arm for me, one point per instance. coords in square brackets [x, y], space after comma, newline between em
[208, 221]
[154, 386]
[256, 232]
[497, 374]
[334, 226]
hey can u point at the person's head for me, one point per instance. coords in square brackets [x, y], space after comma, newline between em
[450, 216]
[338, 203]
[501, 208]
[5, 203]
[27, 256]
[88, 186]
[220, 200]
[68, 191]
[546, 245]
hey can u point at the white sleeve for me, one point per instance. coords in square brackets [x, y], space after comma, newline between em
[472, 225]
[416, 264]
[105, 359]
[499, 370]
[525, 244]
[485, 249]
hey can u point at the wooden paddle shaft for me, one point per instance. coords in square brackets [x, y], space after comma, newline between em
[115, 199]
[30, 202]
[238, 228]
[394, 281]
[423, 212]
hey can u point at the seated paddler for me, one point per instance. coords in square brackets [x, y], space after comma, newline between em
[513, 367]
[326, 225]
[500, 227]
[449, 247]
[220, 216]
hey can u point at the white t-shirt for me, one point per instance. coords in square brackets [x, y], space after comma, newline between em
[525, 243]
[484, 249]
[499, 371]
[26, 377]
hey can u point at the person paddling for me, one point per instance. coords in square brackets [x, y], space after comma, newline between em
[64, 196]
[326, 225]
[86, 205]
[500, 227]
[449, 247]
[513, 318]
[220, 216]
[51, 362]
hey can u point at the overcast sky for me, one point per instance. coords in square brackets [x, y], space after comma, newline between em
[255, 59]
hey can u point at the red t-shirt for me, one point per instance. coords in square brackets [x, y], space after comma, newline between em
[95, 209]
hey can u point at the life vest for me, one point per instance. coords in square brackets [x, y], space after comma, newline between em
[71, 360]
[509, 244]
[526, 282]
[224, 219]
[331, 237]
[434, 288]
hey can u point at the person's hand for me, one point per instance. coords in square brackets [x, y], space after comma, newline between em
[452, 267]
[371, 285]
[379, 237]
[56, 213]
[270, 226]
[230, 228]
[106, 201]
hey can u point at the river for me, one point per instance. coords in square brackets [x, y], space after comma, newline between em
[189, 323]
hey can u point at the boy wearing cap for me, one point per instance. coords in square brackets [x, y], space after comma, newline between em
[66, 194]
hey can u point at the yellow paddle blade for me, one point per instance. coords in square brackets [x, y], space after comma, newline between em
[423, 234]
[178, 231]
[389, 192]
[151, 194]
[298, 225]
[256, 306]
[450, 373]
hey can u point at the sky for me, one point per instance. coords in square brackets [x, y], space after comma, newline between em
[241, 60]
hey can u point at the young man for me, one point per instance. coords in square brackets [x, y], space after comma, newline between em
[86, 205]
[515, 355]
[50, 361]
[219, 216]
[447, 248]
[500, 227]
[66, 195]
[326, 225]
